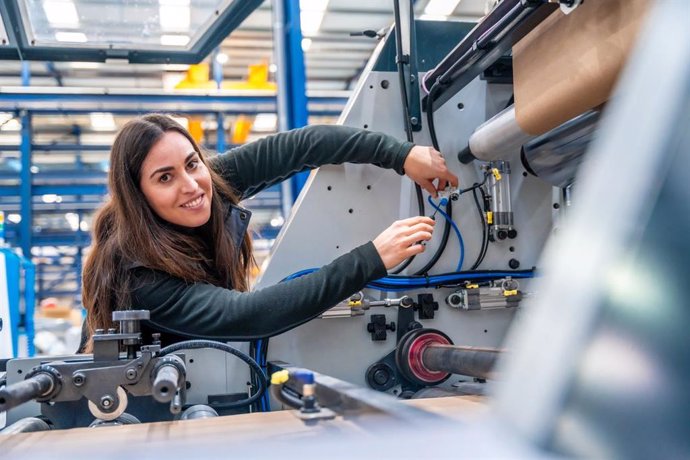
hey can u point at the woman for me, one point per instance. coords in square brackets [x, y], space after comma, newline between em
[173, 240]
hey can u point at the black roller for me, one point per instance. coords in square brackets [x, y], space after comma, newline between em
[474, 362]
[38, 386]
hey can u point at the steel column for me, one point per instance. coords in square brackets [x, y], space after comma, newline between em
[290, 76]
[25, 191]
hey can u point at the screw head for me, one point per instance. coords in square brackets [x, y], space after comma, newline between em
[131, 374]
[107, 401]
[78, 379]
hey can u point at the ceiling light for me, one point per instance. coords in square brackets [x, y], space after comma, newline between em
[34, 169]
[84, 65]
[221, 58]
[441, 7]
[14, 218]
[273, 68]
[265, 122]
[101, 121]
[11, 125]
[174, 40]
[306, 44]
[174, 14]
[310, 22]
[61, 13]
[74, 37]
[50, 198]
[311, 15]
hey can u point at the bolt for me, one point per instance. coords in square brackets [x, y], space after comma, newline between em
[514, 264]
[414, 120]
[381, 377]
[131, 374]
[78, 379]
[107, 401]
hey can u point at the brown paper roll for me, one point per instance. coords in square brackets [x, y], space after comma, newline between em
[570, 63]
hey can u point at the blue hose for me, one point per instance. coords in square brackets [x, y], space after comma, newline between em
[455, 227]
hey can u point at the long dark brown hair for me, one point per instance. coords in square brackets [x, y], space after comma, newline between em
[128, 233]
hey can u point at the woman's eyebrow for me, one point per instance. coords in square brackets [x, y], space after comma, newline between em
[170, 168]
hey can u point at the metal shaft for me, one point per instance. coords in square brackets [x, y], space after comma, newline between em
[165, 383]
[26, 425]
[474, 362]
[26, 390]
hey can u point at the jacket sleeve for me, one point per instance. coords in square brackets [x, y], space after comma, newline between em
[255, 166]
[206, 311]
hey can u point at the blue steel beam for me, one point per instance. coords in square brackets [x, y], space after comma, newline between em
[46, 100]
[25, 188]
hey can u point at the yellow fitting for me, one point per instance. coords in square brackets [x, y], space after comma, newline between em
[280, 377]
[489, 217]
[496, 173]
[354, 303]
[472, 286]
[510, 293]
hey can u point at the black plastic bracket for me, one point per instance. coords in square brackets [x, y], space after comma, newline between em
[378, 327]
[426, 306]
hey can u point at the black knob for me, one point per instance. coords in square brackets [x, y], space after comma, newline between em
[502, 235]
[514, 264]
[512, 233]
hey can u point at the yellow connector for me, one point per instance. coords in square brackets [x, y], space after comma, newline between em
[280, 377]
[510, 293]
[496, 173]
[472, 286]
[354, 303]
[489, 217]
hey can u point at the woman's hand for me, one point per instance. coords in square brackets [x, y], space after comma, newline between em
[424, 165]
[399, 241]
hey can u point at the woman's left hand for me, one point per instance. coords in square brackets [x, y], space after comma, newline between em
[424, 165]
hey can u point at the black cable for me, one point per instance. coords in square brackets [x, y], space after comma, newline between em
[196, 344]
[449, 207]
[280, 393]
[486, 209]
[406, 114]
[485, 231]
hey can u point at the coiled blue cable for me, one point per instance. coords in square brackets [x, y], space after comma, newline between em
[455, 228]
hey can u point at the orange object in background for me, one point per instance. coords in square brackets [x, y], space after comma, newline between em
[196, 130]
[241, 129]
[256, 80]
[197, 77]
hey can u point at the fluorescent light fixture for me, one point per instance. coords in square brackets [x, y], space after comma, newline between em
[74, 37]
[61, 13]
[311, 15]
[175, 67]
[50, 198]
[277, 221]
[102, 121]
[73, 220]
[306, 44]
[11, 125]
[441, 7]
[174, 15]
[433, 17]
[14, 218]
[84, 65]
[174, 40]
[264, 122]
[221, 58]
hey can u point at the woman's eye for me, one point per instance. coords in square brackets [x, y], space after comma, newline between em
[165, 178]
[193, 164]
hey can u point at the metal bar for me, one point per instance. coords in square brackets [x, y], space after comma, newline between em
[488, 41]
[348, 399]
[475, 362]
[25, 189]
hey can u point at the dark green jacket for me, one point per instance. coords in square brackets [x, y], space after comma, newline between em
[181, 310]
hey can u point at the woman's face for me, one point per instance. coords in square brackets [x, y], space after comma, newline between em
[176, 183]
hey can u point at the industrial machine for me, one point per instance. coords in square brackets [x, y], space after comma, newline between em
[556, 276]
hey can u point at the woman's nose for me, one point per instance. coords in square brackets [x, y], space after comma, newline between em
[189, 184]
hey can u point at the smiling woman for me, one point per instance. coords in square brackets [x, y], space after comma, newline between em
[176, 183]
[173, 239]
